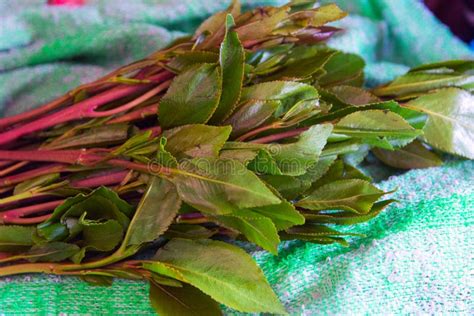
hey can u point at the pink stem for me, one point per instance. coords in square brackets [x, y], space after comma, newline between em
[65, 156]
[79, 157]
[101, 83]
[106, 179]
[193, 218]
[10, 169]
[155, 130]
[138, 166]
[257, 131]
[131, 104]
[17, 178]
[78, 111]
[136, 115]
[29, 220]
[14, 216]
[6, 163]
[8, 121]
[275, 137]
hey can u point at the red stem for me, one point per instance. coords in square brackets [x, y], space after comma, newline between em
[79, 110]
[136, 115]
[29, 220]
[155, 131]
[283, 135]
[101, 82]
[131, 104]
[64, 156]
[106, 179]
[78, 157]
[14, 216]
[12, 168]
[9, 121]
[17, 178]
[257, 131]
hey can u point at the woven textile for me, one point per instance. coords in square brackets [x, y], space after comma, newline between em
[417, 255]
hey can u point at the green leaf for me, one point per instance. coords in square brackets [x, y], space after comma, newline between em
[264, 163]
[155, 212]
[251, 115]
[218, 186]
[316, 171]
[231, 59]
[87, 216]
[161, 280]
[302, 111]
[215, 23]
[412, 156]
[454, 65]
[189, 231]
[244, 156]
[450, 120]
[164, 157]
[287, 92]
[338, 170]
[342, 96]
[223, 271]
[343, 69]
[134, 143]
[288, 186]
[101, 235]
[352, 195]
[14, 238]
[94, 137]
[192, 96]
[319, 16]
[187, 59]
[264, 21]
[283, 215]
[97, 280]
[349, 218]
[380, 128]
[303, 67]
[295, 158]
[316, 233]
[288, 158]
[192, 141]
[254, 226]
[186, 300]
[36, 182]
[414, 83]
[342, 110]
[51, 252]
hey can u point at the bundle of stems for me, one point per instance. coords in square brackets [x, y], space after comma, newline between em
[252, 129]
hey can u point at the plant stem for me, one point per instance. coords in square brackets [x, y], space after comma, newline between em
[279, 136]
[10, 169]
[20, 177]
[258, 131]
[79, 157]
[6, 217]
[80, 110]
[106, 179]
[131, 104]
[155, 131]
[135, 115]
[19, 118]
[64, 156]
[194, 218]
[26, 221]
[9, 121]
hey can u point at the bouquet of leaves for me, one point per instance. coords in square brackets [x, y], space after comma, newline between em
[252, 129]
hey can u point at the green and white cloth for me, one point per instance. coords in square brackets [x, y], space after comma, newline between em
[417, 256]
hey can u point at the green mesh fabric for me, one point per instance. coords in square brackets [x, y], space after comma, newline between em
[416, 256]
